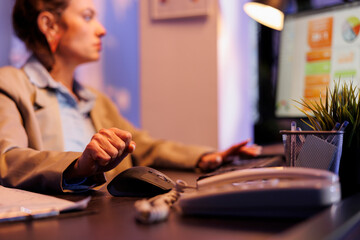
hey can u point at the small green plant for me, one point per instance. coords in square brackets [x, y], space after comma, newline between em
[340, 104]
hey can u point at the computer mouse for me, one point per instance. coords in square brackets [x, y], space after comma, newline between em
[140, 181]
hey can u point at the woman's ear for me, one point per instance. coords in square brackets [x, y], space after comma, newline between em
[50, 28]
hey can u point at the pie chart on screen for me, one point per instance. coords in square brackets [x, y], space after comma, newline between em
[351, 28]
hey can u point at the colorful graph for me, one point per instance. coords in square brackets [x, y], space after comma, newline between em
[350, 29]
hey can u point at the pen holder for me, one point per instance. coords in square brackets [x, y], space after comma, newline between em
[313, 149]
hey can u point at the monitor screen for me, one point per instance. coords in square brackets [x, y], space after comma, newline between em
[317, 48]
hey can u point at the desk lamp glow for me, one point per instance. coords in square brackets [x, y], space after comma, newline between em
[267, 12]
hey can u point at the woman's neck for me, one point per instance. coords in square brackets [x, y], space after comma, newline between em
[64, 73]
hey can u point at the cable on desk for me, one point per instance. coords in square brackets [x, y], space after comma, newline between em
[157, 209]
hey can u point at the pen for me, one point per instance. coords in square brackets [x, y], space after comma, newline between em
[335, 128]
[343, 126]
[292, 144]
[302, 138]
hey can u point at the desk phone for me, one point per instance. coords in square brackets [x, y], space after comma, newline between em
[272, 191]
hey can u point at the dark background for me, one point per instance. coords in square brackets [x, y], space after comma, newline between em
[268, 125]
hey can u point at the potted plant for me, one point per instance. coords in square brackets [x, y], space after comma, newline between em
[339, 105]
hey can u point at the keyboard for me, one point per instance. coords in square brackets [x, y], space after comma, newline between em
[241, 163]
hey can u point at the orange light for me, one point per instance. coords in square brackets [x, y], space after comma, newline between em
[266, 15]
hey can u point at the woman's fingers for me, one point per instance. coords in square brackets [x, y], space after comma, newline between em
[132, 147]
[105, 151]
[242, 148]
[213, 160]
[114, 141]
[234, 150]
[210, 161]
[102, 149]
[253, 150]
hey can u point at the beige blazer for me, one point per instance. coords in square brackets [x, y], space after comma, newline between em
[31, 141]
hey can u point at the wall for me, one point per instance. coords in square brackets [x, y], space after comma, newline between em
[184, 79]
[178, 72]
[237, 77]
[117, 72]
[5, 32]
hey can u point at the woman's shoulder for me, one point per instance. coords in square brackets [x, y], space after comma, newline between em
[13, 80]
[102, 100]
[99, 94]
[10, 71]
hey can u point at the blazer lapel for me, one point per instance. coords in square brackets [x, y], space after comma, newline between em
[47, 112]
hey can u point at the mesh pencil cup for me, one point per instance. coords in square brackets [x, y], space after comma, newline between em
[313, 149]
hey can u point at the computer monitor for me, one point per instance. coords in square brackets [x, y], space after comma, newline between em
[317, 48]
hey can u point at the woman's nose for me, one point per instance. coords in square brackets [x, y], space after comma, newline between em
[101, 31]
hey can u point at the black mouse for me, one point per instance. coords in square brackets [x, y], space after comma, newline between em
[140, 181]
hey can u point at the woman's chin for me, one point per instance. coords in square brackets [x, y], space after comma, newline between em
[90, 59]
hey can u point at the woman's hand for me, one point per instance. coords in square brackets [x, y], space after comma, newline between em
[211, 161]
[105, 151]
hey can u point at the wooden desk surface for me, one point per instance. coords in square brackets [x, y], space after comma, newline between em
[110, 217]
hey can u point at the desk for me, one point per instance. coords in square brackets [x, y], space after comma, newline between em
[109, 217]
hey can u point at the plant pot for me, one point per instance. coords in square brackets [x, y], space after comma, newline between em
[349, 171]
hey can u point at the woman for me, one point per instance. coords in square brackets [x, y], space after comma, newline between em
[57, 135]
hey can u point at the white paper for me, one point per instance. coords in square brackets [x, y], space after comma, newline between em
[16, 204]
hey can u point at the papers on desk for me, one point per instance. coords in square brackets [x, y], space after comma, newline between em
[16, 205]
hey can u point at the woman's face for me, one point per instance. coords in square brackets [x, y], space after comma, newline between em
[81, 33]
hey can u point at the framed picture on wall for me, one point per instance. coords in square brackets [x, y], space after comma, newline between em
[169, 9]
